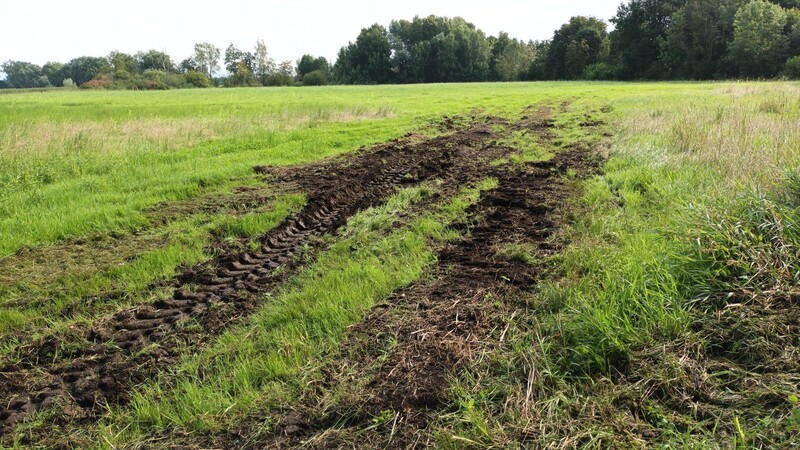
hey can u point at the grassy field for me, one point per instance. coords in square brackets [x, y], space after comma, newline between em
[669, 317]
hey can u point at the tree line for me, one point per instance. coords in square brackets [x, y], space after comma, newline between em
[651, 39]
[154, 69]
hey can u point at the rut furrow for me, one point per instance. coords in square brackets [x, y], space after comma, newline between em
[96, 374]
[134, 344]
[401, 357]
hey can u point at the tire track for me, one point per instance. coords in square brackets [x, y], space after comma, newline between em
[134, 344]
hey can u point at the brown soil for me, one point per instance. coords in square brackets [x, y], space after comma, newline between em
[131, 346]
[391, 378]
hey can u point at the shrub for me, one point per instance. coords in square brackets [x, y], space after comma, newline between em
[601, 71]
[68, 83]
[792, 69]
[197, 79]
[155, 79]
[280, 79]
[315, 78]
[101, 82]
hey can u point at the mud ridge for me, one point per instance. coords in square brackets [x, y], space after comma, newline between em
[132, 345]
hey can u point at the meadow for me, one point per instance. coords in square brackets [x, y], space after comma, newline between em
[667, 315]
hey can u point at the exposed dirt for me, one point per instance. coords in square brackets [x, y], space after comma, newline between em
[134, 344]
[391, 377]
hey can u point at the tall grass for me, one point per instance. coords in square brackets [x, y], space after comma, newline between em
[633, 270]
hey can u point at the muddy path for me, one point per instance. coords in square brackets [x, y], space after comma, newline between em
[390, 379]
[76, 384]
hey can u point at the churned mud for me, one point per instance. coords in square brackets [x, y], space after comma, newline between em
[76, 384]
[391, 377]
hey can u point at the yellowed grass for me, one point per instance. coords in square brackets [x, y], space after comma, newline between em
[146, 134]
[749, 135]
[749, 89]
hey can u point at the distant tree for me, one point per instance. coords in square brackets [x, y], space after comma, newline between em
[240, 65]
[727, 13]
[206, 58]
[581, 42]
[793, 30]
[368, 60]
[123, 62]
[190, 65]
[54, 71]
[263, 65]
[498, 45]
[438, 49]
[85, 68]
[694, 46]
[640, 28]
[3, 84]
[315, 78]
[21, 74]
[538, 69]
[234, 56]
[283, 75]
[308, 64]
[509, 59]
[155, 60]
[197, 79]
[759, 47]
[286, 68]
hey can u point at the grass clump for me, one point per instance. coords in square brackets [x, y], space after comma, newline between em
[522, 252]
[530, 149]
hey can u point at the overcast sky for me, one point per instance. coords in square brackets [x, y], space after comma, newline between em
[59, 30]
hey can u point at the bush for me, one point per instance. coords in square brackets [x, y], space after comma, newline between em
[601, 71]
[197, 79]
[280, 79]
[315, 78]
[792, 69]
[68, 83]
[101, 82]
[153, 79]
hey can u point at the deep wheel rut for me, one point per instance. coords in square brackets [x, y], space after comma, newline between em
[134, 344]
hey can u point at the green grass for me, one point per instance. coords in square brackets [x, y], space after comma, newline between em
[528, 148]
[677, 252]
[75, 163]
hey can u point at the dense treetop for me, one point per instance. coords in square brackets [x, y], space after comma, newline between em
[651, 39]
